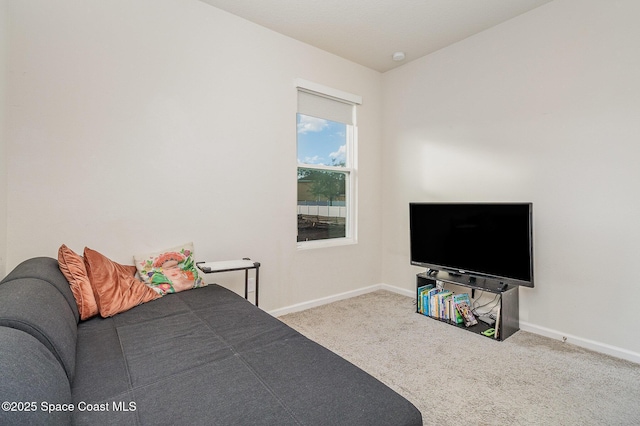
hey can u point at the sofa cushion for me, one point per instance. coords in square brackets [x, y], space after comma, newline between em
[37, 308]
[45, 269]
[72, 266]
[102, 376]
[114, 285]
[31, 374]
[169, 271]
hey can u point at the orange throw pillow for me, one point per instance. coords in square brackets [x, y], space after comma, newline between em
[72, 266]
[114, 286]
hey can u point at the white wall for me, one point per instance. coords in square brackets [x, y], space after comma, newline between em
[3, 156]
[543, 108]
[135, 126]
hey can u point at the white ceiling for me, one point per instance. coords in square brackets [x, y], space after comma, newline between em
[368, 32]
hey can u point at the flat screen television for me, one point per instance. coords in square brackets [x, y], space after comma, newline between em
[492, 240]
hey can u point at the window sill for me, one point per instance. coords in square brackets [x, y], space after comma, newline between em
[332, 242]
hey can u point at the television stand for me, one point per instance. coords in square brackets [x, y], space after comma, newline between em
[508, 319]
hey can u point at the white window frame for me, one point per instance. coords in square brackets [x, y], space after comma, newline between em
[351, 228]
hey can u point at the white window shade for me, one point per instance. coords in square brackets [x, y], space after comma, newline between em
[324, 107]
[321, 101]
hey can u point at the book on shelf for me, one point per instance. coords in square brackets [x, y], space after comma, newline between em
[443, 299]
[429, 301]
[465, 310]
[421, 292]
[434, 309]
[459, 298]
[425, 298]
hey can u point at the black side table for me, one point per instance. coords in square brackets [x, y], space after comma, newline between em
[234, 265]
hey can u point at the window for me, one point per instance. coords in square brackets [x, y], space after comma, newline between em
[326, 141]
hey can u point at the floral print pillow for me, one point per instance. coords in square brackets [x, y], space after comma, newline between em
[169, 271]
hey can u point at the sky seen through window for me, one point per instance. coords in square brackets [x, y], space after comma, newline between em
[321, 141]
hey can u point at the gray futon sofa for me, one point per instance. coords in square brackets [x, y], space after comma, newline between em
[204, 356]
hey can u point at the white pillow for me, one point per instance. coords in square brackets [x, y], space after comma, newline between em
[169, 271]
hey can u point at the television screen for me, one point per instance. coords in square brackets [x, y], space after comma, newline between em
[486, 239]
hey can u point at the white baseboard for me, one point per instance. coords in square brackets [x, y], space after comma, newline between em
[341, 296]
[582, 342]
[402, 291]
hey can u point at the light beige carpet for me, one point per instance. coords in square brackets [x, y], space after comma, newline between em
[455, 377]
